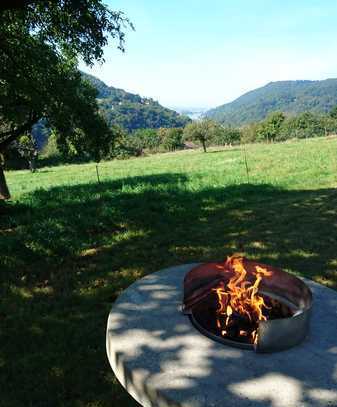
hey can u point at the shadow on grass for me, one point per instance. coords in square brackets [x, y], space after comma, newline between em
[68, 252]
[57, 160]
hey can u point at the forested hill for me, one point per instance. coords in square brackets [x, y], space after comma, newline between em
[133, 111]
[287, 96]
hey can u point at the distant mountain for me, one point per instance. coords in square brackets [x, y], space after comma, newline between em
[193, 113]
[132, 111]
[290, 97]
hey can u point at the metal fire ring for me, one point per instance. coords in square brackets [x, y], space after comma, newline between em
[273, 335]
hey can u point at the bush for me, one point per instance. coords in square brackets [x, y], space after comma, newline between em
[330, 124]
[269, 129]
[126, 149]
[21, 154]
[277, 127]
[304, 125]
[50, 149]
[333, 113]
[224, 136]
[146, 139]
[171, 139]
[51, 155]
[125, 145]
[249, 133]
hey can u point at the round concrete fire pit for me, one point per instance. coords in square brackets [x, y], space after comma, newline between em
[162, 360]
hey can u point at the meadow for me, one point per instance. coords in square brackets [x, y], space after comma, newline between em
[69, 245]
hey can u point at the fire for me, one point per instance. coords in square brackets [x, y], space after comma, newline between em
[239, 301]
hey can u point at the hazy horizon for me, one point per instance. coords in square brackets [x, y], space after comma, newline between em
[188, 55]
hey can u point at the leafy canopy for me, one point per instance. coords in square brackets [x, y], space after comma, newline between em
[269, 128]
[202, 132]
[172, 138]
[40, 44]
[333, 112]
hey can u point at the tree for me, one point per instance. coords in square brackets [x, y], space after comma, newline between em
[27, 149]
[226, 136]
[333, 112]
[172, 138]
[127, 145]
[145, 139]
[40, 43]
[306, 125]
[269, 129]
[249, 133]
[201, 131]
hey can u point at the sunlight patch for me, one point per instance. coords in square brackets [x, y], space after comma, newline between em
[21, 292]
[258, 245]
[267, 388]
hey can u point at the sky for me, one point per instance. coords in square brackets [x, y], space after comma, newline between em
[193, 53]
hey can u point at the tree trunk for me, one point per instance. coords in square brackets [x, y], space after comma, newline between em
[4, 192]
[32, 165]
[204, 146]
[6, 138]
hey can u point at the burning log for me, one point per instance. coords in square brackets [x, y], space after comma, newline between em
[234, 299]
[240, 302]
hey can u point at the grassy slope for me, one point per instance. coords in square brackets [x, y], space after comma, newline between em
[69, 246]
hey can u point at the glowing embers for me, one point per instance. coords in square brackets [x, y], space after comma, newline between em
[234, 325]
[247, 304]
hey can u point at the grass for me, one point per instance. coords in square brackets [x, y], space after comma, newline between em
[69, 246]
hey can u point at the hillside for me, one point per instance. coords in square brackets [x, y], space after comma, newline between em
[291, 97]
[133, 111]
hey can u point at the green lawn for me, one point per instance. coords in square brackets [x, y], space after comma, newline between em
[69, 246]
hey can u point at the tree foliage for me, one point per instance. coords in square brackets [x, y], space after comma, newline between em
[145, 139]
[333, 112]
[171, 139]
[202, 132]
[40, 44]
[269, 129]
[226, 136]
[278, 127]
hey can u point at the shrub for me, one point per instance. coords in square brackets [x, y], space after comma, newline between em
[223, 136]
[304, 125]
[269, 129]
[146, 139]
[50, 149]
[171, 139]
[249, 133]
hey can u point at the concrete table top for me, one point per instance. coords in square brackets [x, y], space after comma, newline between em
[162, 360]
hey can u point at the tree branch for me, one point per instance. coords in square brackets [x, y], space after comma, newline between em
[12, 135]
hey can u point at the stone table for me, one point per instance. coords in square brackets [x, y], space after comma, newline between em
[162, 360]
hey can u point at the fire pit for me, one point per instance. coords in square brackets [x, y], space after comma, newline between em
[162, 360]
[247, 305]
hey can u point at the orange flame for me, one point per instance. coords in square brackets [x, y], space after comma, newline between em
[240, 297]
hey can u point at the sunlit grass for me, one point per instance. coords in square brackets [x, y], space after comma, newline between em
[296, 164]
